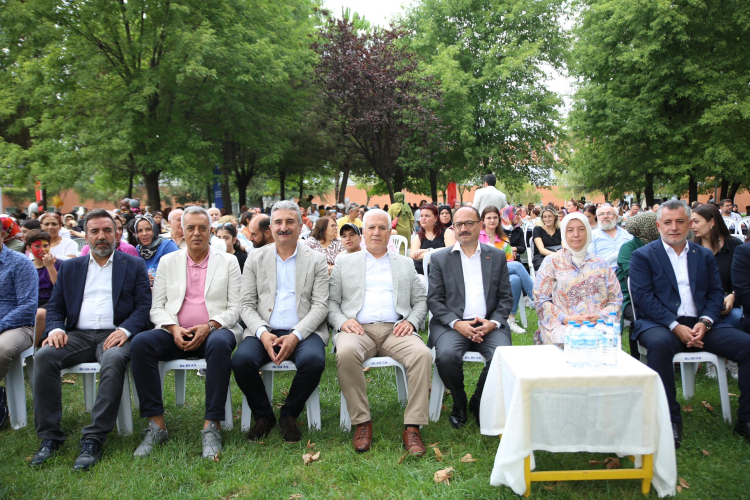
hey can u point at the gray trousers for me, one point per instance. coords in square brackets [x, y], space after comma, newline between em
[82, 347]
[12, 343]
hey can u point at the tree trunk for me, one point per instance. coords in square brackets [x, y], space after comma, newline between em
[209, 191]
[241, 184]
[723, 190]
[344, 181]
[153, 195]
[649, 189]
[282, 181]
[433, 185]
[130, 182]
[301, 185]
[692, 189]
[226, 193]
[733, 190]
[336, 188]
[398, 180]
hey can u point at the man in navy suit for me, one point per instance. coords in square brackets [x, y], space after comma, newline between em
[741, 282]
[677, 294]
[98, 303]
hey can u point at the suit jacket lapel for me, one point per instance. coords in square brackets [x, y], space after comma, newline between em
[486, 260]
[80, 288]
[182, 274]
[666, 264]
[454, 261]
[270, 270]
[118, 275]
[300, 271]
[692, 259]
[213, 263]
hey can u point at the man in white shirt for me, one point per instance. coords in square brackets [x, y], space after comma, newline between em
[607, 239]
[175, 224]
[469, 313]
[677, 298]
[726, 212]
[99, 302]
[377, 303]
[489, 195]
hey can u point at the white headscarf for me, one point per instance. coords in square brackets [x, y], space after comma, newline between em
[580, 255]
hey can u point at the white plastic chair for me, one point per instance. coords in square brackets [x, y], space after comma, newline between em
[16, 388]
[180, 368]
[733, 226]
[80, 242]
[530, 259]
[312, 405]
[689, 365]
[400, 242]
[438, 387]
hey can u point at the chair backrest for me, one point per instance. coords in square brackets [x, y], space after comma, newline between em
[530, 259]
[81, 242]
[733, 226]
[632, 302]
[400, 242]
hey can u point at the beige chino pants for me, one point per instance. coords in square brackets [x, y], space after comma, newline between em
[12, 343]
[378, 340]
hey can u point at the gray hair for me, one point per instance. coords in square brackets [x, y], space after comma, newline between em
[287, 205]
[674, 204]
[173, 214]
[605, 205]
[375, 211]
[194, 209]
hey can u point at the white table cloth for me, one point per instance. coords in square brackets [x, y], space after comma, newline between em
[539, 402]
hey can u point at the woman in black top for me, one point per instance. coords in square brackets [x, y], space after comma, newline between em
[546, 237]
[431, 234]
[228, 233]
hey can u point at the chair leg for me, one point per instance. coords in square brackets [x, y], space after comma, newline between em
[16, 389]
[228, 423]
[436, 395]
[89, 390]
[180, 387]
[522, 312]
[313, 410]
[401, 386]
[134, 391]
[125, 413]
[721, 371]
[345, 421]
[246, 415]
[688, 379]
[268, 383]
[30, 373]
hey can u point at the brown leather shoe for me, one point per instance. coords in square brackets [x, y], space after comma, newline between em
[413, 442]
[362, 437]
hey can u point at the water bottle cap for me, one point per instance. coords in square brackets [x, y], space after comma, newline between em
[576, 326]
[572, 323]
[612, 313]
[609, 323]
[600, 321]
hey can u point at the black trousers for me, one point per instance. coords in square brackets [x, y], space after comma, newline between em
[310, 358]
[730, 343]
[627, 313]
[450, 348]
[148, 348]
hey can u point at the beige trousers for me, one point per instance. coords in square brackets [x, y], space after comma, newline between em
[352, 350]
[12, 343]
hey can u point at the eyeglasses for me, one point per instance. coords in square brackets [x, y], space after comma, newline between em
[468, 224]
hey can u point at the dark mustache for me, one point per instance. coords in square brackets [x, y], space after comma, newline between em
[465, 233]
[285, 233]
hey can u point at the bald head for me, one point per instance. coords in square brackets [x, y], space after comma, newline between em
[260, 231]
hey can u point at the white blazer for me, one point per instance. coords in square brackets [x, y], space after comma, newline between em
[222, 290]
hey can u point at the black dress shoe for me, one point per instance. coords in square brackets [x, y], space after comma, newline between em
[262, 428]
[677, 434]
[91, 453]
[289, 430]
[46, 450]
[458, 416]
[474, 408]
[743, 429]
[4, 412]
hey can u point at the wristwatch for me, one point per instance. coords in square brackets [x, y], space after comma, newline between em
[211, 328]
[707, 323]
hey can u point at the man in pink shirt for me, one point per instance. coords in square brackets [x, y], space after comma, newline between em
[195, 312]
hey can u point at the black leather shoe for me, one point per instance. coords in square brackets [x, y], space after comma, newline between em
[743, 429]
[4, 412]
[46, 450]
[91, 453]
[289, 430]
[262, 428]
[474, 408]
[677, 434]
[458, 416]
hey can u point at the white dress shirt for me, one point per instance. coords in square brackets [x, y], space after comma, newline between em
[680, 268]
[97, 309]
[474, 303]
[284, 315]
[378, 305]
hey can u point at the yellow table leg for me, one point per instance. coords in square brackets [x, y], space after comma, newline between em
[527, 475]
[648, 470]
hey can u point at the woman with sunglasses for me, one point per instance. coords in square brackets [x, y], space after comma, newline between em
[228, 233]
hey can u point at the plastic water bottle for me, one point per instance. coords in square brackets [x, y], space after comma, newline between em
[611, 346]
[593, 356]
[567, 349]
[615, 324]
[577, 346]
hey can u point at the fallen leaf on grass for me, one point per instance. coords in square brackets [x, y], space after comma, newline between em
[285, 392]
[295, 496]
[594, 462]
[432, 445]
[445, 408]
[468, 459]
[310, 445]
[28, 459]
[734, 395]
[438, 455]
[68, 381]
[550, 487]
[309, 458]
[687, 408]
[708, 406]
[216, 458]
[705, 452]
[679, 489]
[403, 457]
[443, 476]
[279, 404]
[365, 370]
[612, 463]
[684, 484]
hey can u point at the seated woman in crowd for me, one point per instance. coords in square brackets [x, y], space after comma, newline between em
[644, 231]
[120, 244]
[574, 285]
[158, 219]
[431, 235]
[510, 219]
[446, 216]
[62, 248]
[71, 226]
[546, 237]
[228, 233]
[37, 243]
[245, 244]
[590, 213]
[520, 281]
[324, 239]
[711, 231]
[245, 219]
[151, 245]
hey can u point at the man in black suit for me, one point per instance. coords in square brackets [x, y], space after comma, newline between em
[741, 281]
[677, 296]
[470, 299]
[98, 303]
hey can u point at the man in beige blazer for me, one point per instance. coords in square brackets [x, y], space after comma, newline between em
[284, 306]
[378, 304]
[195, 310]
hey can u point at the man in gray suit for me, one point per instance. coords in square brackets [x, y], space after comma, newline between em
[378, 304]
[489, 195]
[470, 299]
[283, 302]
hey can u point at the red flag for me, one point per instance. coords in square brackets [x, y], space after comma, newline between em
[452, 193]
[38, 191]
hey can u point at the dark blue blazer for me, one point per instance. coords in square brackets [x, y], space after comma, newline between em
[131, 294]
[653, 286]
[741, 282]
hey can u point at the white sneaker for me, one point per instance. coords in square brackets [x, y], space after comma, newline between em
[733, 369]
[515, 328]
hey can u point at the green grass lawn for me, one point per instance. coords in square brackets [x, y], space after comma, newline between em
[275, 469]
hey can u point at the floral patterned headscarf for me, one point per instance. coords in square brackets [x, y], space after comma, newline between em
[507, 216]
[643, 227]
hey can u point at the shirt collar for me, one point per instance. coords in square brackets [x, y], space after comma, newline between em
[287, 260]
[673, 251]
[91, 259]
[203, 264]
[370, 255]
[457, 248]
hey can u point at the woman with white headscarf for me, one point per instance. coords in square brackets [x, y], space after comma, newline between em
[573, 285]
